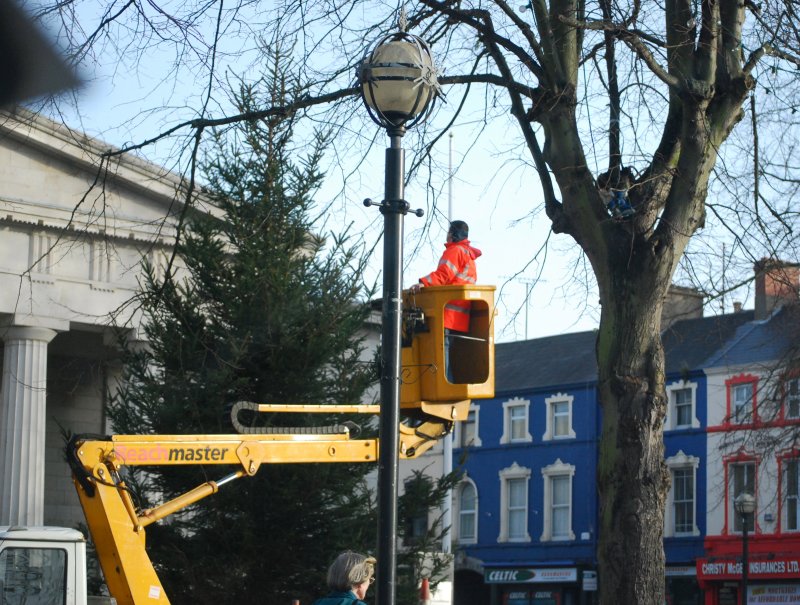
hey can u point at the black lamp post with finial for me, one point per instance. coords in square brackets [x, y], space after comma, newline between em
[398, 84]
[745, 505]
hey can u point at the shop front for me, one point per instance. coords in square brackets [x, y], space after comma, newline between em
[539, 586]
[771, 579]
[681, 586]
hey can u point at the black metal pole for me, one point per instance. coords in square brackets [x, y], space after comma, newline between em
[744, 558]
[393, 208]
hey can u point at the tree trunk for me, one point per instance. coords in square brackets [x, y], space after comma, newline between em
[632, 476]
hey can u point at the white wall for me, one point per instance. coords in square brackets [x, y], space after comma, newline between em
[762, 444]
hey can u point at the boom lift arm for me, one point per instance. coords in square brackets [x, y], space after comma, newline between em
[430, 400]
[118, 528]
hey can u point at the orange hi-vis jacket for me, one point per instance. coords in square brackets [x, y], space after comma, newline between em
[456, 268]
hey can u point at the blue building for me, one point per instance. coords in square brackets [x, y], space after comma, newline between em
[525, 516]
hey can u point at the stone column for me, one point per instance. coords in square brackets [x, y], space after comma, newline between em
[22, 425]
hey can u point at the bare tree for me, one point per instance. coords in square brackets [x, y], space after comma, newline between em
[611, 100]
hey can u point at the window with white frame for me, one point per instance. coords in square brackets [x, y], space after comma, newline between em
[515, 421]
[683, 499]
[681, 511]
[514, 482]
[742, 398]
[792, 494]
[681, 405]
[466, 433]
[742, 479]
[467, 513]
[792, 410]
[558, 424]
[557, 505]
[517, 508]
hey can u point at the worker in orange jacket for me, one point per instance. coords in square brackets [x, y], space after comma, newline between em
[456, 267]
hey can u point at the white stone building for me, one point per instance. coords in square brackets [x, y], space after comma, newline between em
[753, 429]
[74, 231]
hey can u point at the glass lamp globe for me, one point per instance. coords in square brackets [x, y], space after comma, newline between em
[398, 80]
[745, 503]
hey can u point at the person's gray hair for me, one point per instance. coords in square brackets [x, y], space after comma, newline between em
[350, 569]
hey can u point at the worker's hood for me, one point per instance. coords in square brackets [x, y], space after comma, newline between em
[474, 252]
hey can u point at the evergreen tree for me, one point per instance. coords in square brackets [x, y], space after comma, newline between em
[260, 310]
[422, 533]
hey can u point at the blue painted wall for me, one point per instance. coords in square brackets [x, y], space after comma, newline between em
[683, 550]
[483, 464]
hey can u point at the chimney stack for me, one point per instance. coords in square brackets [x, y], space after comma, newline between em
[681, 303]
[777, 283]
[737, 306]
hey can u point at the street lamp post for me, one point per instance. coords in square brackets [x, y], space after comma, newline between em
[745, 505]
[398, 83]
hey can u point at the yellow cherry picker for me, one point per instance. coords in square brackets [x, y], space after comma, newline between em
[48, 565]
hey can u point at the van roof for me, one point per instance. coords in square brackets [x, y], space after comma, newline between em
[40, 533]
